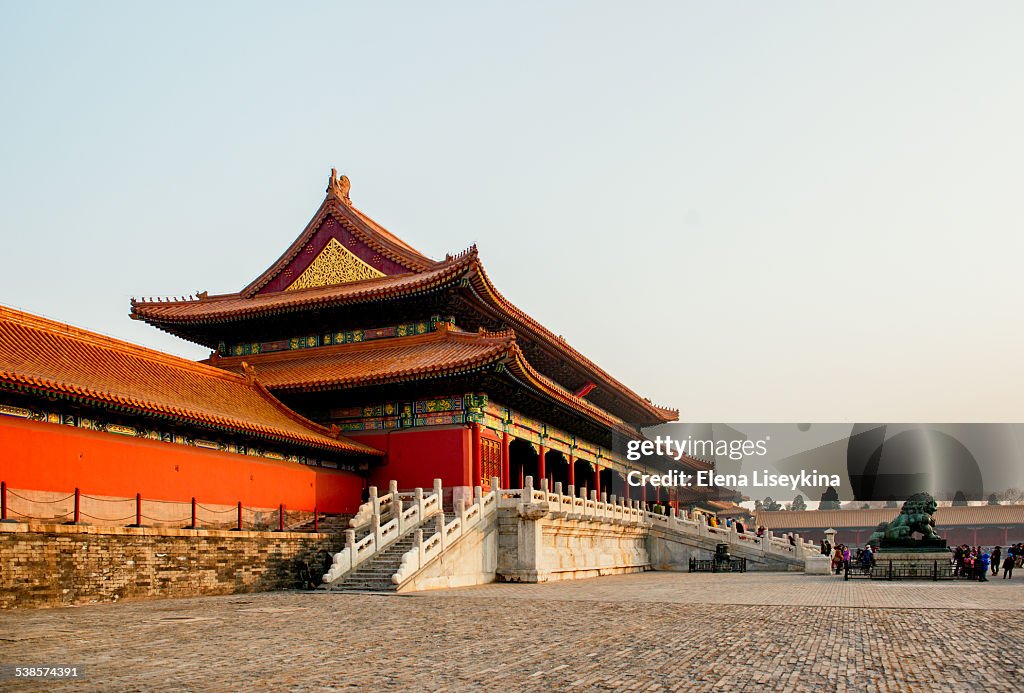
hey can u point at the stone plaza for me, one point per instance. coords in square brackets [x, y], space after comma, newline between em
[649, 631]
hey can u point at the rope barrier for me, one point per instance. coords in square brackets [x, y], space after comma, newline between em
[255, 519]
[216, 512]
[153, 519]
[33, 517]
[32, 500]
[107, 519]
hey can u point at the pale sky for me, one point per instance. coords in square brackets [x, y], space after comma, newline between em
[800, 211]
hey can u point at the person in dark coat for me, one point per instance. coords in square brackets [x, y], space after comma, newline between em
[1008, 568]
[997, 556]
[983, 561]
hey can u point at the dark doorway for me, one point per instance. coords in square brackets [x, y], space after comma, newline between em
[557, 468]
[584, 476]
[522, 462]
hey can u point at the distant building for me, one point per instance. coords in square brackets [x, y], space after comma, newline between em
[984, 525]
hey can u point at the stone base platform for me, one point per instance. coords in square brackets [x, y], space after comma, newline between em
[905, 555]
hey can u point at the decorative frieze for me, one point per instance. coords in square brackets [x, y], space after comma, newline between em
[311, 341]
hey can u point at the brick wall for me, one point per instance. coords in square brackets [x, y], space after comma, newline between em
[45, 565]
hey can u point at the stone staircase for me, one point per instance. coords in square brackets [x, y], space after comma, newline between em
[375, 574]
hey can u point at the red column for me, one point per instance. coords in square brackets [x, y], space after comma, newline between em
[597, 480]
[506, 472]
[475, 463]
[541, 472]
[572, 473]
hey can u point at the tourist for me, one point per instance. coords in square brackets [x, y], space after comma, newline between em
[997, 556]
[837, 559]
[983, 567]
[867, 559]
[846, 557]
[1008, 567]
[760, 531]
[739, 527]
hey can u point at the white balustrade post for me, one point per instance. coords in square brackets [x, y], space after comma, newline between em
[373, 500]
[558, 488]
[496, 484]
[439, 525]
[417, 542]
[398, 505]
[437, 491]
[544, 486]
[375, 528]
[350, 544]
[528, 489]
[417, 495]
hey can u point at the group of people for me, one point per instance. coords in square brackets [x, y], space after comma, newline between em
[968, 561]
[843, 557]
[974, 562]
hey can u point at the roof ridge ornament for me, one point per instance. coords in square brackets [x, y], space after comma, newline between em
[339, 187]
[249, 372]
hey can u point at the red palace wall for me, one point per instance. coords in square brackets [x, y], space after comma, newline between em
[50, 457]
[418, 456]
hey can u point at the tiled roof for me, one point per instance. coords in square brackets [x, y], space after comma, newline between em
[370, 363]
[521, 321]
[431, 355]
[229, 307]
[945, 516]
[44, 356]
[360, 225]
[424, 275]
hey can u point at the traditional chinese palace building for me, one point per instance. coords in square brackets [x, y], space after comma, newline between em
[353, 358]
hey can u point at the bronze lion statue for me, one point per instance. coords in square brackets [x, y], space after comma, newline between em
[917, 515]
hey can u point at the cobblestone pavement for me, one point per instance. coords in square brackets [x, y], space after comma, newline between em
[654, 631]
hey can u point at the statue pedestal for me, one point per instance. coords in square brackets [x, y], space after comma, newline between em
[923, 556]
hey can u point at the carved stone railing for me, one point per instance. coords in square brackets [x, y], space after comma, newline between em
[380, 536]
[375, 505]
[466, 520]
[620, 511]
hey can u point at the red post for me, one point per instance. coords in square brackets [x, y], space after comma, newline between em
[506, 470]
[78, 505]
[316, 520]
[3, 501]
[280, 518]
[597, 480]
[193, 525]
[239, 527]
[138, 509]
[475, 462]
[540, 464]
[572, 475]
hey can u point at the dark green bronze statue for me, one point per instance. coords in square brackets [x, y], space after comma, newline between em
[916, 516]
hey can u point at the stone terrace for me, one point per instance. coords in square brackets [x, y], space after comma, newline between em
[652, 631]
